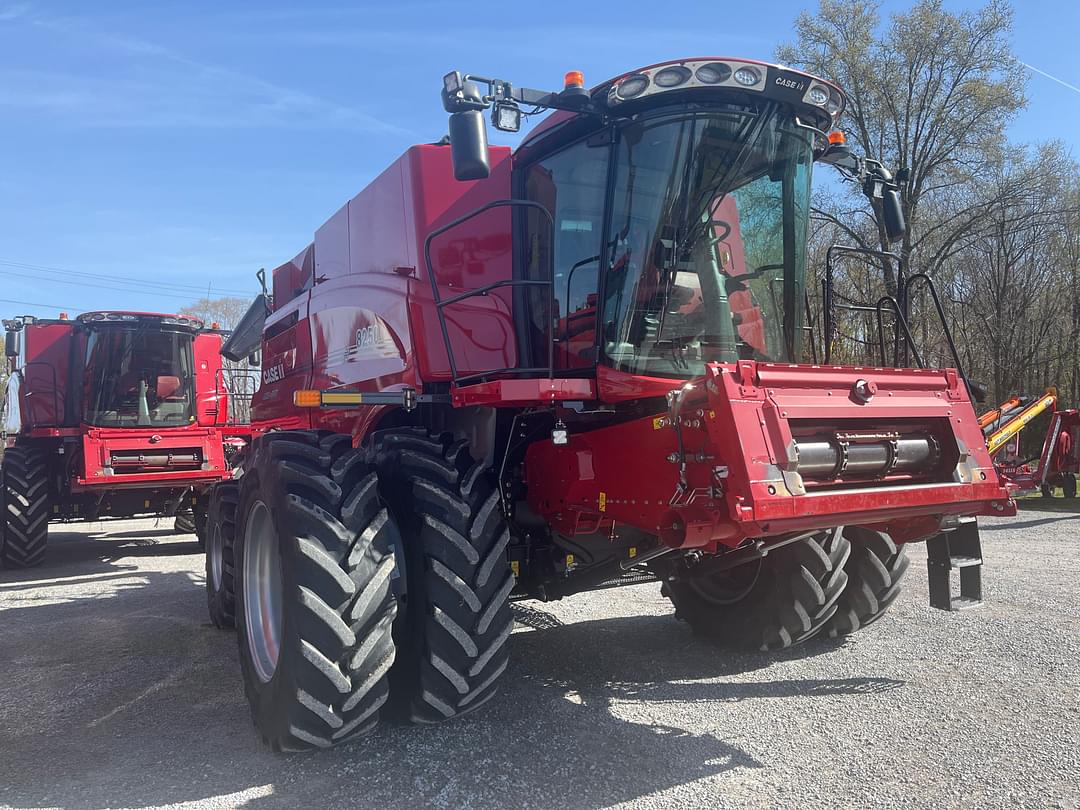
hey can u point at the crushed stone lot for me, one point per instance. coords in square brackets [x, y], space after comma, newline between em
[115, 691]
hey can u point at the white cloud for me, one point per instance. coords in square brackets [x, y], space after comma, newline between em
[150, 85]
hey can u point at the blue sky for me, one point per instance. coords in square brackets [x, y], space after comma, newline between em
[181, 146]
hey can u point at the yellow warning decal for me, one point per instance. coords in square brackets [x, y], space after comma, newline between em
[659, 423]
[633, 552]
[515, 567]
[603, 501]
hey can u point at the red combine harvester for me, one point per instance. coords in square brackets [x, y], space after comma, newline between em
[111, 415]
[576, 367]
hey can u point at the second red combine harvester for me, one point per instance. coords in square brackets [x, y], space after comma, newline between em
[112, 415]
[577, 366]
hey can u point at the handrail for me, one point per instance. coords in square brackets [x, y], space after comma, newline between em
[441, 304]
[929, 284]
[902, 324]
[827, 287]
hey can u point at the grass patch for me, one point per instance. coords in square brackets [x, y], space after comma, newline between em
[1037, 503]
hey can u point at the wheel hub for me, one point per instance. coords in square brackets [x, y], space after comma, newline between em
[215, 550]
[262, 592]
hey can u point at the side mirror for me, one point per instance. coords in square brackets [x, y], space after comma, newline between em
[469, 145]
[893, 214]
[11, 343]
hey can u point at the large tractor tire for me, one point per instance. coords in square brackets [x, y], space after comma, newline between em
[874, 570]
[778, 602]
[315, 607]
[452, 635]
[25, 528]
[221, 554]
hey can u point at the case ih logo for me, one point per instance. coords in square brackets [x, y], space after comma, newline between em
[791, 84]
[273, 374]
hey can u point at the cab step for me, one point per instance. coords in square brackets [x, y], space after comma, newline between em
[956, 548]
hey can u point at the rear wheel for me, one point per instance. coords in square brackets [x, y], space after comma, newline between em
[220, 554]
[777, 602]
[452, 635]
[25, 475]
[874, 569]
[315, 607]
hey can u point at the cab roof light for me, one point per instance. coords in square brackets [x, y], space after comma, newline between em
[731, 74]
[837, 138]
[574, 78]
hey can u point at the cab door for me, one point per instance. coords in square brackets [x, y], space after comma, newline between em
[572, 185]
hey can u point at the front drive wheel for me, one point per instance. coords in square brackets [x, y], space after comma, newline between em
[452, 636]
[874, 569]
[777, 602]
[315, 607]
[25, 527]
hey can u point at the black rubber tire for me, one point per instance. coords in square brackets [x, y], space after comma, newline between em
[1047, 491]
[874, 569]
[200, 515]
[25, 474]
[193, 520]
[452, 635]
[221, 534]
[789, 596]
[336, 545]
[1069, 486]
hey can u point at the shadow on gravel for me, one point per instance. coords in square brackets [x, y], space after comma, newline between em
[77, 555]
[129, 698]
[1026, 524]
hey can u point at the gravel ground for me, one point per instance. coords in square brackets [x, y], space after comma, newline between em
[115, 691]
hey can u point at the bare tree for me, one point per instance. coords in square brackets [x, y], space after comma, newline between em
[931, 93]
[226, 312]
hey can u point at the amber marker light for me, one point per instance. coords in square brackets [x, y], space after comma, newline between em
[306, 398]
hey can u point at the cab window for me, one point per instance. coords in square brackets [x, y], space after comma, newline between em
[571, 185]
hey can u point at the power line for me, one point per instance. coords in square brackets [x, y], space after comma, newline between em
[112, 278]
[133, 287]
[38, 304]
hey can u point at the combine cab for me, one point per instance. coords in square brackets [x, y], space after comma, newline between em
[577, 367]
[113, 415]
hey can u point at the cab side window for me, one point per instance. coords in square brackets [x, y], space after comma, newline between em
[571, 185]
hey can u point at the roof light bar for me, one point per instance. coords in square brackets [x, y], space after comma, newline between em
[177, 320]
[731, 73]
